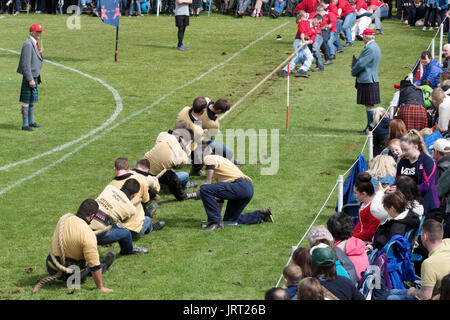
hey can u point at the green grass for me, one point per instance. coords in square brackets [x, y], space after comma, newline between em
[183, 263]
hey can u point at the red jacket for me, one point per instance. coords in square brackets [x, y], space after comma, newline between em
[309, 6]
[361, 4]
[304, 26]
[367, 225]
[346, 7]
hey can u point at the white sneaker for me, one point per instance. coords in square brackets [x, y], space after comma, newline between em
[431, 28]
[424, 29]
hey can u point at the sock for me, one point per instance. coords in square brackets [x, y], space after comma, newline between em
[25, 116]
[369, 114]
[30, 114]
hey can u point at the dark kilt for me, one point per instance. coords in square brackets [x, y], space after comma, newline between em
[368, 93]
[27, 94]
[196, 4]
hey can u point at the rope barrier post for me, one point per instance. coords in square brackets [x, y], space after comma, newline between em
[158, 6]
[391, 112]
[287, 99]
[370, 137]
[432, 48]
[340, 192]
[441, 34]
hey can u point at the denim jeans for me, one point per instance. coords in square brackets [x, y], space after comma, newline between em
[349, 19]
[117, 234]
[279, 7]
[238, 194]
[138, 7]
[221, 149]
[378, 15]
[304, 56]
[147, 227]
[399, 294]
[184, 178]
[243, 4]
[334, 41]
[316, 50]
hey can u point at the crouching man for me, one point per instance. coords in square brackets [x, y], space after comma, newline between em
[232, 185]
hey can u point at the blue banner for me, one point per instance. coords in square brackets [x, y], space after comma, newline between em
[110, 12]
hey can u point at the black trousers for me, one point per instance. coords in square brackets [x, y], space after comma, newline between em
[170, 179]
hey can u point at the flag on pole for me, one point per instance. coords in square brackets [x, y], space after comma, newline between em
[110, 12]
[418, 70]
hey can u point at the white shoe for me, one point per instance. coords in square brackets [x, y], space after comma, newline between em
[431, 28]
[424, 29]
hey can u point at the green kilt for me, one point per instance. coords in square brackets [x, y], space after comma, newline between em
[28, 94]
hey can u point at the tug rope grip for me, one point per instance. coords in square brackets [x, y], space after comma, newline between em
[61, 267]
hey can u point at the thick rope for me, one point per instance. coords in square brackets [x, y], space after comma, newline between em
[61, 267]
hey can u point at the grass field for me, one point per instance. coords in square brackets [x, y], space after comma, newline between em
[87, 124]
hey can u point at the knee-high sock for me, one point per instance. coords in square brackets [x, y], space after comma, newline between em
[369, 114]
[30, 114]
[180, 35]
[25, 122]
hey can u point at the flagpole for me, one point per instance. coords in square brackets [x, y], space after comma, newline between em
[117, 42]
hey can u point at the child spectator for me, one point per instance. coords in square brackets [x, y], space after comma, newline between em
[302, 258]
[382, 169]
[292, 274]
[310, 289]
[257, 10]
[341, 227]
[395, 150]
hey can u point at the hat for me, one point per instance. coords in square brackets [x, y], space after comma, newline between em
[441, 145]
[319, 233]
[322, 255]
[36, 27]
[368, 32]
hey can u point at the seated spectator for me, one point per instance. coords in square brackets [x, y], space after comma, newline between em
[418, 164]
[381, 123]
[292, 275]
[324, 269]
[427, 90]
[340, 226]
[364, 193]
[414, 116]
[242, 7]
[344, 265]
[382, 169]
[425, 132]
[277, 9]
[399, 221]
[442, 103]
[434, 268]
[302, 258]
[444, 292]
[397, 129]
[441, 156]
[416, 14]
[257, 10]
[446, 55]
[310, 289]
[277, 294]
[444, 81]
[431, 69]
[395, 150]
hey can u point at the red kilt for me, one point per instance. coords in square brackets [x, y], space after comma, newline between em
[414, 116]
[368, 93]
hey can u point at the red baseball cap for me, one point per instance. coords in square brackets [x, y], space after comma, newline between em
[36, 27]
[368, 32]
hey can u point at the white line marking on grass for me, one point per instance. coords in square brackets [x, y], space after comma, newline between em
[119, 108]
[67, 155]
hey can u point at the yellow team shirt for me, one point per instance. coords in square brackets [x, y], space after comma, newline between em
[210, 127]
[166, 154]
[224, 169]
[78, 241]
[116, 205]
[436, 266]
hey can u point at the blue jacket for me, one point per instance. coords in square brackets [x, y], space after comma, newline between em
[432, 72]
[366, 67]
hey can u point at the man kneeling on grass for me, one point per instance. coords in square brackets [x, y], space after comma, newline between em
[232, 185]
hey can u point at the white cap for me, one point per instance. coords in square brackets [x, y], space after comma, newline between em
[441, 145]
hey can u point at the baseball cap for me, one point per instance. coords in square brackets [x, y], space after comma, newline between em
[36, 27]
[322, 255]
[368, 32]
[441, 145]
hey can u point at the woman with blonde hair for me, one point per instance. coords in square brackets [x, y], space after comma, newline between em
[418, 164]
[383, 169]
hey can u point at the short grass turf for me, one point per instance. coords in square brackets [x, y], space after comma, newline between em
[226, 58]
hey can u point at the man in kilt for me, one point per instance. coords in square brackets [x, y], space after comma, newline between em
[365, 71]
[30, 66]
